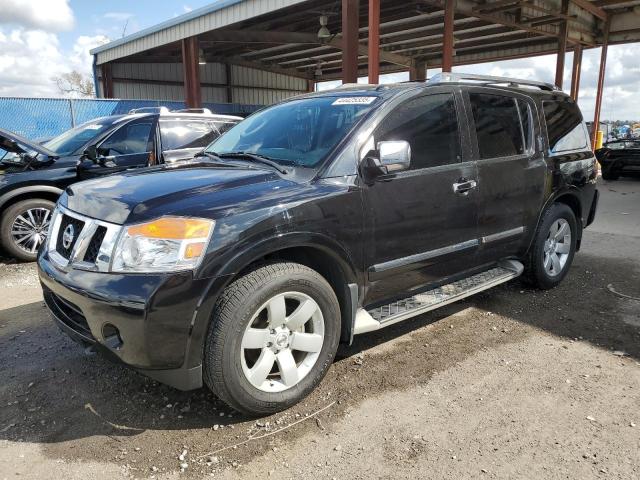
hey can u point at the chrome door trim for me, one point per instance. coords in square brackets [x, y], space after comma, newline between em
[494, 237]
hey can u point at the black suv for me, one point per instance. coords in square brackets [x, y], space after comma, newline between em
[33, 175]
[316, 219]
[619, 157]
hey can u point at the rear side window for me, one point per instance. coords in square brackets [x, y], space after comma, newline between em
[498, 127]
[430, 125]
[565, 129]
[178, 134]
[129, 139]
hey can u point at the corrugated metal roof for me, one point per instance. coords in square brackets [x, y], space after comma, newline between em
[218, 14]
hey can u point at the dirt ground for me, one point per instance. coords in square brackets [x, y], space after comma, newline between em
[512, 383]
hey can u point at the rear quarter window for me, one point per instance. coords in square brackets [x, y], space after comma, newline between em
[565, 128]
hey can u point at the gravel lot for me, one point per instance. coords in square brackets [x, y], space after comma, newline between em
[512, 383]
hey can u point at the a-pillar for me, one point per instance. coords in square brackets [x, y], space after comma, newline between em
[350, 25]
[447, 36]
[601, 73]
[374, 41]
[191, 68]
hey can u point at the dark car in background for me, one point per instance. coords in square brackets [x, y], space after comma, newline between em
[33, 175]
[619, 157]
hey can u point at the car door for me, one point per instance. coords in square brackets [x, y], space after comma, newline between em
[511, 169]
[420, 229]
[129, 146]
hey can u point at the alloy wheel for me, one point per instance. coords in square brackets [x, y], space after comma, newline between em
[557, 247]
[282, 342]
[29, 229]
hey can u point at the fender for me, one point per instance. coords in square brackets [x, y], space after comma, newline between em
[250, 254]
[570, 190]
[30, 189]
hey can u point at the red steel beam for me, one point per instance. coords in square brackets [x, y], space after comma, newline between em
[576, 71]
[374, 41]
[447, 38]
[191, 68]
[603, 65]
[562, 44]
[350, 14]
[107, 80]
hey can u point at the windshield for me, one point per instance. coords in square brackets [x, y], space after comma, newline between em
[300, 132]
[71, 140]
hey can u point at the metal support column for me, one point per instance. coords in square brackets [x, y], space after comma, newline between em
[576, 71]
[603, 65]
[107, 80]
[229, 82]
[418, 72]
[191, 68]
[374, 41]
[562, 44]
[447, 38]
[350, 14]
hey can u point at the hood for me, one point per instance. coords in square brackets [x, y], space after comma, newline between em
[195, 191]
[12, 142]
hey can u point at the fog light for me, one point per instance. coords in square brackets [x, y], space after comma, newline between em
[111, 335]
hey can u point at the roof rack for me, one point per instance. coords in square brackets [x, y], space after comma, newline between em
[149, 110]
[205, 111]
[447, 77]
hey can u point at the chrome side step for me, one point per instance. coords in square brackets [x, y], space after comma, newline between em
[380, 317]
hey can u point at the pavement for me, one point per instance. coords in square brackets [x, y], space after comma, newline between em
[511, 383]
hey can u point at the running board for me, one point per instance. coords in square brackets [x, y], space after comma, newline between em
[380, 317]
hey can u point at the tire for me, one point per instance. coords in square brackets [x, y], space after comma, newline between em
[541, 269]
[28, 216]
[236, 362]
[610, 174]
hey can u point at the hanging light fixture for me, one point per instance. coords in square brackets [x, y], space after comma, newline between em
[201, 59]
[324, 31]
[318, 70]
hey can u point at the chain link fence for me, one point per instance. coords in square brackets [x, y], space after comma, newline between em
[43, 118]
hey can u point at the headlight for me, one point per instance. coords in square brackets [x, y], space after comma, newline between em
[167, 244]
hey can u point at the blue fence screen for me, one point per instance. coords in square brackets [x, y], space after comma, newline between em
[43, 118]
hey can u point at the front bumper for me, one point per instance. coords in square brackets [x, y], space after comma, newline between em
[145, 321]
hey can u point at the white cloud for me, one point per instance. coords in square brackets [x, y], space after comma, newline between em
[48, 15]
[29, 58]
[187, 8]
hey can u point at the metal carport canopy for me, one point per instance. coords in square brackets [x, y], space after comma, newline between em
[282, 37]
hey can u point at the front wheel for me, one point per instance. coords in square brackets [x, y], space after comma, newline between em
[274, 334]
[608, 173]
[553, 247]
[24, 228]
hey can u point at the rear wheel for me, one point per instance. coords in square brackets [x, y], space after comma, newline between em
[274, 335]
[553, 248]
[24, 227]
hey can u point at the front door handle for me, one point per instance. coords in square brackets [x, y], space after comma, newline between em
[464, 186]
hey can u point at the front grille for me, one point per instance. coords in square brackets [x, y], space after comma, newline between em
[67, 312]
[94, 245]
[76, 225]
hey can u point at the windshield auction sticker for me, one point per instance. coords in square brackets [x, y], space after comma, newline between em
[354, 101]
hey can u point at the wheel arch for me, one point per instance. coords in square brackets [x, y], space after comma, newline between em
[569, 197]
[46, 192]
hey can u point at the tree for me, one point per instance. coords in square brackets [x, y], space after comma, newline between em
[75, 82]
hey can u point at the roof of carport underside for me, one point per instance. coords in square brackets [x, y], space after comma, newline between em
[281, 35]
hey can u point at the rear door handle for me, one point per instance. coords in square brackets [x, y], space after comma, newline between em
[464, 186]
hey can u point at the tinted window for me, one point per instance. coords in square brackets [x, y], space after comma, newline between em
[430, 125]
[498, 127]
[564, 126]
[177, 134]
[300, 132]
[128, 139]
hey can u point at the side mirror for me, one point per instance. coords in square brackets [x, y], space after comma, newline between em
[91, 153]
[395, 155]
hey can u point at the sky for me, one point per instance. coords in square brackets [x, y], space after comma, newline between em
[41, 39]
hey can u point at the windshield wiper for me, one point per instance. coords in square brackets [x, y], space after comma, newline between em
[255, 158]
[210, 155]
